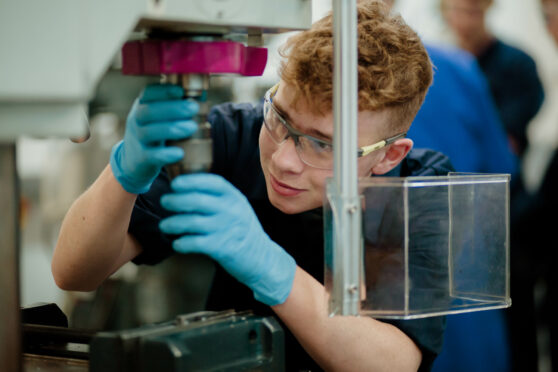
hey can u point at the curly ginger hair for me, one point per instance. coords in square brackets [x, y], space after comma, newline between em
[394, 70]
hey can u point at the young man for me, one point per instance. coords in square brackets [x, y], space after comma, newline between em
[258, 216]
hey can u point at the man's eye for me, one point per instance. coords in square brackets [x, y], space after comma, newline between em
[321, 146]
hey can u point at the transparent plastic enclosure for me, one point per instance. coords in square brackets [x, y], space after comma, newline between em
[431, 246]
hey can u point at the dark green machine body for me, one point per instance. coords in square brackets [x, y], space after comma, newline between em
[204, 341]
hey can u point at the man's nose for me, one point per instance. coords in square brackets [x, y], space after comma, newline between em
[286, 157]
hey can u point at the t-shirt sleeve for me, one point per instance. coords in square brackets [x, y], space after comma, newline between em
[144, 224]
[427, 334]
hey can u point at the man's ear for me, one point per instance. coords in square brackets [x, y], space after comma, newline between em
[393, 156]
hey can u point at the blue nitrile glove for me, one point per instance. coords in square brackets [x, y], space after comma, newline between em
[216, 219]
[159, 114]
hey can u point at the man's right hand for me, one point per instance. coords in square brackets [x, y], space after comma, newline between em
[159, 114]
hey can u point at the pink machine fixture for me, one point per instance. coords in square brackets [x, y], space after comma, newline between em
[190, 63]
[153, 57]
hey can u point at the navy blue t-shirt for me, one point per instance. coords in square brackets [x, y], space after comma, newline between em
[235, 132]
[516, 87]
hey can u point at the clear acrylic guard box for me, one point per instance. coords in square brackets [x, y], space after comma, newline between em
[431, 245]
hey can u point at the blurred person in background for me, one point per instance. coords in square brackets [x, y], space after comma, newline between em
[511, 73]
[518, 93]
[459, 118]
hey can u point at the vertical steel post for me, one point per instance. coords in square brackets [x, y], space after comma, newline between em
[345, 111]
[10, 324]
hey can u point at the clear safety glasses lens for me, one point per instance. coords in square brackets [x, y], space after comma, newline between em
[313, 152]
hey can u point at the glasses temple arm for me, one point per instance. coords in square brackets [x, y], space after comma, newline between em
[363, 151]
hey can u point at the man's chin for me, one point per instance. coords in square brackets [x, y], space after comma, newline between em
[287, 208]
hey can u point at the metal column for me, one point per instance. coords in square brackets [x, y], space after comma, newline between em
[10, 325]
[345, 111]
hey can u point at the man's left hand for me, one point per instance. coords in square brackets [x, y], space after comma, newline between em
[216, 219]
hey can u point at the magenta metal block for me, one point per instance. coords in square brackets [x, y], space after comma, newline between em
[154, 57]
